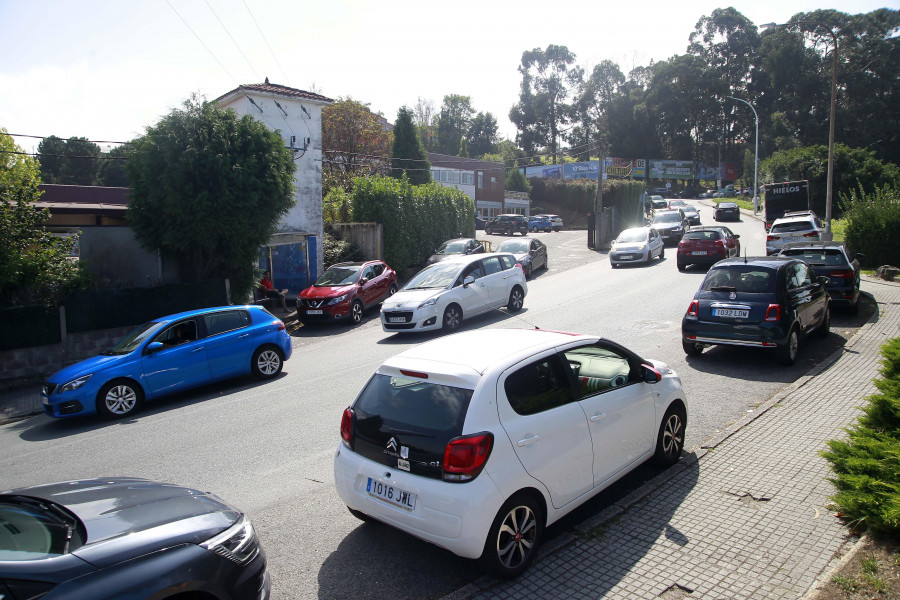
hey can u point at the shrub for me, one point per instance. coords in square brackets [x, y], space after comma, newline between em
[335, 250]
[867, 464]
[870, 220]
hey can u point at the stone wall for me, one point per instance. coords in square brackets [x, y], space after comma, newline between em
[41, 361]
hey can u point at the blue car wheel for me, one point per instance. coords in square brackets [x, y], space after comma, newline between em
[119, 398]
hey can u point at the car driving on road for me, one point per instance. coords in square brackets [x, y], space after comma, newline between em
[671, 225]
[706, 246]
[476, 442]
[441, 295]
[636, 245]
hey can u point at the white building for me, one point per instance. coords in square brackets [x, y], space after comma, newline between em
[295, 252]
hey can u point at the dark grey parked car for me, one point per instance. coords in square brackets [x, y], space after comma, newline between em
[129, 538]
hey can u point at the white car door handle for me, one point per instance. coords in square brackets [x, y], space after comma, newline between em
[598, 417]
[529, 440]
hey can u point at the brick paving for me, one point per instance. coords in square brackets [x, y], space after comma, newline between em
[746, 516]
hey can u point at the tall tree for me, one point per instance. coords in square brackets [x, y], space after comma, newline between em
[453, 122]
[112, 168]
[34, 264]
[590, 111]
[51, 155]
[482, 134]
[408, 157]
[546, 84]
[425, 120]
[354, 141]
[208, 188]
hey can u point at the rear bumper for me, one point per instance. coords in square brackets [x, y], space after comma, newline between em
[770, 335]
[455, 516]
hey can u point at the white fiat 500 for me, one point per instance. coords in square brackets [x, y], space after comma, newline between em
[477, 441]
[441, 295]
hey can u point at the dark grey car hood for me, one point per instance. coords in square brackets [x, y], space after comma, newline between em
[127, 517]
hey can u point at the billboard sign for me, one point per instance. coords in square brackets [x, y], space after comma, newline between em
[671, 169]
[581, 170]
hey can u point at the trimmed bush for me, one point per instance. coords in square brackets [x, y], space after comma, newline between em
[416, 218]
[867, 464]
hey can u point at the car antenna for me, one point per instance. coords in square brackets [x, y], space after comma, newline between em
[518, 317]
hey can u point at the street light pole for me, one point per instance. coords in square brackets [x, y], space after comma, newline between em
[829, 187]
[755, 155]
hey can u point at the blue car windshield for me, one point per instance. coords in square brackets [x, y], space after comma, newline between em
[134, 339]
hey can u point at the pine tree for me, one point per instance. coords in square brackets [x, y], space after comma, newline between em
[408, 156]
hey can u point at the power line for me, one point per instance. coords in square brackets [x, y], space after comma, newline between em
[272, 52]
[228, 33]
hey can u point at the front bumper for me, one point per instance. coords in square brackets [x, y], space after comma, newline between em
[413, 320]
[628, 256]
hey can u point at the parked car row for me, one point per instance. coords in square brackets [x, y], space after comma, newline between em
[509, 224]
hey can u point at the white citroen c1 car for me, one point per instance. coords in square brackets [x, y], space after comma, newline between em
[441, 295]
[477, 441]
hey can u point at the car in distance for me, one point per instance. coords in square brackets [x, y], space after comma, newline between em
[798, 226]
[455, 247]
[477, 441]
[660, 191]
[530, 253]
[760, 302]
[706, 246]
[536, 224]
[692, 214]
[726, 211]
[168, 355]
[674, 204]
[345, 291]
[480, 222]
[116, 537]
[658, 203]
[555, 220]
[507, 225]
[441, 295]
[670, 224]
[636, 245]
[835, 261]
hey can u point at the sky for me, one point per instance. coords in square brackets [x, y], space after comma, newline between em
[108, 69]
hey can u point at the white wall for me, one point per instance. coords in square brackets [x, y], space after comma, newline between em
[306, 215]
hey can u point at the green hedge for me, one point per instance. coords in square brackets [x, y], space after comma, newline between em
[872, 222]
[416, 219]
[580, 196]
[867, 465]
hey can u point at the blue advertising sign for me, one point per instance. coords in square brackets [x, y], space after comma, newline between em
[581, 170]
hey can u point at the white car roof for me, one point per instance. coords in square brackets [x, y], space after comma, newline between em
[464, 357]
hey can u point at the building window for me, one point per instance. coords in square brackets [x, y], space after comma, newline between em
[454, 176]
[493, 180]
[468, 178]
[480, 180]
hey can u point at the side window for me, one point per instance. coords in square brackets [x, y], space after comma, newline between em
[492, 265]
[180, 333]
[793, 276]
[507, 261]
[368, 273]
[537, 387]
[598, 368]
[230, 320]
[378, 269]
[474, 270]
[804, 276]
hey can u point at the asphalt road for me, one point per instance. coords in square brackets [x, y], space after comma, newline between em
[268, 447]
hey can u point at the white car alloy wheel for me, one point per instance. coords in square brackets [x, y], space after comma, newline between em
[514, 537]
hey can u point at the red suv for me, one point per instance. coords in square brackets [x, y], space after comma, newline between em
[347, 290]
[706, 246]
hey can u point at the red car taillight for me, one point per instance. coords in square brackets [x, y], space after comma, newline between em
[769, 238]
[847, 274]
[465, 456]
[773, 313]
[693, 308]
[347, 427]
[812, 234]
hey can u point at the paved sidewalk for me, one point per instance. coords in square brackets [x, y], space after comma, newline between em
[746, 516]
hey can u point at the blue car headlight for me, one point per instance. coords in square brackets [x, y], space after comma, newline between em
[337, 300]
[429, 302]
[75, 383]
[238, 543]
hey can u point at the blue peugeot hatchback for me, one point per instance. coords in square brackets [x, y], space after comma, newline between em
[169, 355]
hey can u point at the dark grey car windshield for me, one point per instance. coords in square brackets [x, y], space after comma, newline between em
[31, 529]
[667, 218]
